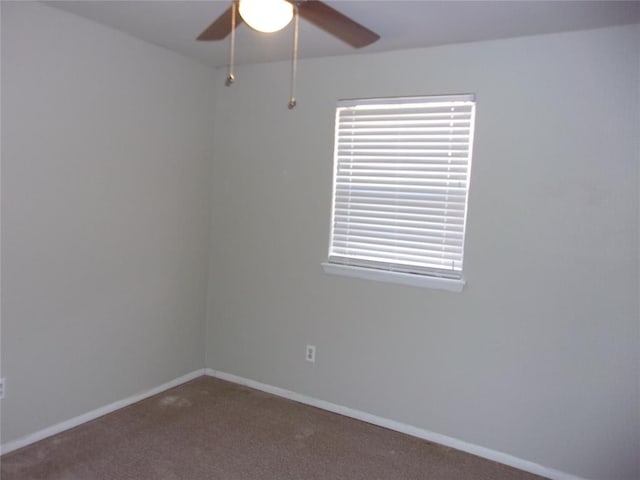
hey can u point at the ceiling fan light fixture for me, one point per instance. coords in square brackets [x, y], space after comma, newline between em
[266, 15]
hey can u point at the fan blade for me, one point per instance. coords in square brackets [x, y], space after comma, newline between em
[221, 27]
[337, 24]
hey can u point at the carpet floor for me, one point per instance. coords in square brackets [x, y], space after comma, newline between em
[209, 429]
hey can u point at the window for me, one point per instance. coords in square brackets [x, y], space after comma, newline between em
[401, 179]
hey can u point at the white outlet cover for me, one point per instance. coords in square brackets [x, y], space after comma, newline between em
[311, 353]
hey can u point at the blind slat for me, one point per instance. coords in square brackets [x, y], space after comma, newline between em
[377, 227]
[413, 194]
[342, 233]
[346, 214]
[435, 267]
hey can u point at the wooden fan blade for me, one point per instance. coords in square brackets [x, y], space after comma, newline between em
[332, 21]
[221, 27]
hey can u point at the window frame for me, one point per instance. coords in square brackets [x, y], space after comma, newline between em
[451, 280]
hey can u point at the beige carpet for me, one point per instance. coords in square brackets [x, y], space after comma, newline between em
[209, 429]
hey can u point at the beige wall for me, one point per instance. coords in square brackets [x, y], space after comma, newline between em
[105, 215]
[539, 356]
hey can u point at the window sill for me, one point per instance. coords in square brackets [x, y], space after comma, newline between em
[437, 283]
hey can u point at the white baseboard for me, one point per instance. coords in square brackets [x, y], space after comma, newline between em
[98, 412]
[483, 452]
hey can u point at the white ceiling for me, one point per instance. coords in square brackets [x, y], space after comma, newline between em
[401, 24]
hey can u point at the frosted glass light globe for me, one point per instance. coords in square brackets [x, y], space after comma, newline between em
[266, 15]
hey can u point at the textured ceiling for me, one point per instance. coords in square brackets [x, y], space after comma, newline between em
[401, 24]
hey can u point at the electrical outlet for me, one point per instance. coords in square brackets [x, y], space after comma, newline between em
[310, 356]
[3, 385]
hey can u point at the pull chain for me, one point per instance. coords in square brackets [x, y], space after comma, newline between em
[232, 47]
[294, 59]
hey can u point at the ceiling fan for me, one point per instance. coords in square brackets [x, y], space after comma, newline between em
[273, 15]
[314, 11]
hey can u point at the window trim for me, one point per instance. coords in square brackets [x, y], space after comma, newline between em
[413, 280]
[429, 279]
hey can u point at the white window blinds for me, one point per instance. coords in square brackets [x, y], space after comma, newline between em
[401, 178]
